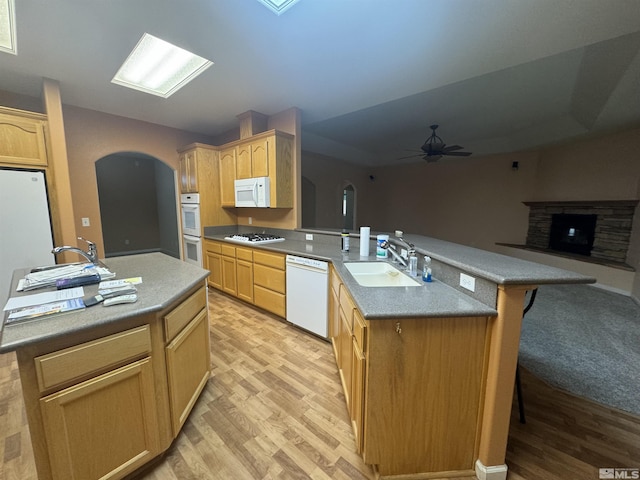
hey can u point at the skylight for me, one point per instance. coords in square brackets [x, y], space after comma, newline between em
[8, 27]
[278, 6]
[159, 68]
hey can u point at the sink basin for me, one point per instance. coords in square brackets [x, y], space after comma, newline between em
[379, 274]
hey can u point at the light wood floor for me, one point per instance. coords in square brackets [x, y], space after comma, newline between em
[274, 409]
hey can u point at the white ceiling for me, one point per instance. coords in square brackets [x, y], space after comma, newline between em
[369, 76]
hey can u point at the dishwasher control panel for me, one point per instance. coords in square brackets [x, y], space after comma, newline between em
[307, 262]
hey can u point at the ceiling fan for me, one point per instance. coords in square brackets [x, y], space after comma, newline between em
[434, 148]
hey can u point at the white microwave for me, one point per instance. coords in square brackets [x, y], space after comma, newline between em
[252, 192]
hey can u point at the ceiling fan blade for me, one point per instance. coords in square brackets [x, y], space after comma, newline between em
[411, 156]
[450, 148]
[457, 154]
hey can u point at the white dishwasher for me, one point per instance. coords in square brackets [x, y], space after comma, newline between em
[307, 294]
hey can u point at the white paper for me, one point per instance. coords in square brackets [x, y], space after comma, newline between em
[42, 298]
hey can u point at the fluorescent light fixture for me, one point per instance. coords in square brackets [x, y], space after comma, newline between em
[8, 27]
[278, 6]
[158, 67]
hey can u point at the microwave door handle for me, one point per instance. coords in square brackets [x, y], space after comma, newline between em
[255, 193]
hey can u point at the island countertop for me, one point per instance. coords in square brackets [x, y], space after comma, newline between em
[435, 299]
[164, 280]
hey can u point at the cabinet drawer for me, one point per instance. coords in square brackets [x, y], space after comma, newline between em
[269, 300]
[228, 250]
[274, 260]
[359, 330]
[80, 361]
[213, 247]
[269, 278]
[180, 316]
[244, 254]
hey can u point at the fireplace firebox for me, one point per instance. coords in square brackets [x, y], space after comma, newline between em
[572, 233]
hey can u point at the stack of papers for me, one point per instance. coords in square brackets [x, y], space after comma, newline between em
[41, 304]
[47, 278]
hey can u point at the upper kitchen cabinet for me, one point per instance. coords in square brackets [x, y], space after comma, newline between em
[268, 154]
[200, 172]
[22, 138]
[227, 176]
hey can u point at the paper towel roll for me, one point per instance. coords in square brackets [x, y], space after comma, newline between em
[364, 241]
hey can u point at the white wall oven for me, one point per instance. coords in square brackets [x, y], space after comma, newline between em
[191, 231]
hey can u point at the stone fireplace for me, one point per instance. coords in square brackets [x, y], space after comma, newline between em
[592, 230]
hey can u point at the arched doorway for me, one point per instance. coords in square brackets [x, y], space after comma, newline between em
[138, 208]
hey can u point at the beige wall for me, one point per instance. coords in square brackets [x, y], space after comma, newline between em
[477, 201]
[329, 176]
[92, 135]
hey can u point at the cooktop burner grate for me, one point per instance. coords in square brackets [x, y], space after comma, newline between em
[255, 238]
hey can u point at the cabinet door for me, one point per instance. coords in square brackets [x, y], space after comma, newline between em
[187, 368]
[214, 261]
[243, 161]
[244, 272]
[22, 141]
[357, 394]
[103, 428]
[229, 284]
[260, 158]
[227, 177]
[188, 172]
[346, 356]
[334, 321]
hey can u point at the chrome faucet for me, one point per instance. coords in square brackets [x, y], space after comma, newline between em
[91, 254]
[411, 251]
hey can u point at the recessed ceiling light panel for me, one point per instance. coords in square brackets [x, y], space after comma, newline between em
[8, 27]
[159, 68]
[278, 6]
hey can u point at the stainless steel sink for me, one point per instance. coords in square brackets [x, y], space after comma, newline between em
[379, 274]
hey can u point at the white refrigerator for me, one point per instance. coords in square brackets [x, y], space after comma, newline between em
[26, 238]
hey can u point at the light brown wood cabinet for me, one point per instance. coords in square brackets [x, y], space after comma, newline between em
[244, 273]
[113, 410]
[200, 173]
[268, 154]
[101, 405]
[213, 263]
[253, 275]
[227, 176]
[22, 138]
[187, 356]
[253, 158]
[188, 172]
[413, 387]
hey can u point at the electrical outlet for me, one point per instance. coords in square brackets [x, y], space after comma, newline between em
[309, 236]
[404, 253]
[250, 220]
[85, 222]
[468, 282]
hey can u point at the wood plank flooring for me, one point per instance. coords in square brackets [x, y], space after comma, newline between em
[274, 408]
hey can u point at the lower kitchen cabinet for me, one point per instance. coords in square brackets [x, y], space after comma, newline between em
[412, 387]
[244, 274]
[114, 413]
[101, 404]
[255, 276]
[187, 368]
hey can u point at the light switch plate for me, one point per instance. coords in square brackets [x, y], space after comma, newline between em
[85, 222]
[468, 282]
[309, 236]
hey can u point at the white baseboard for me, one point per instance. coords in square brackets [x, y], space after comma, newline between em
[494, 472]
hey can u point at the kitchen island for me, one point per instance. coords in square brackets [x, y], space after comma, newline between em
[428, 371]
[107, 389]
